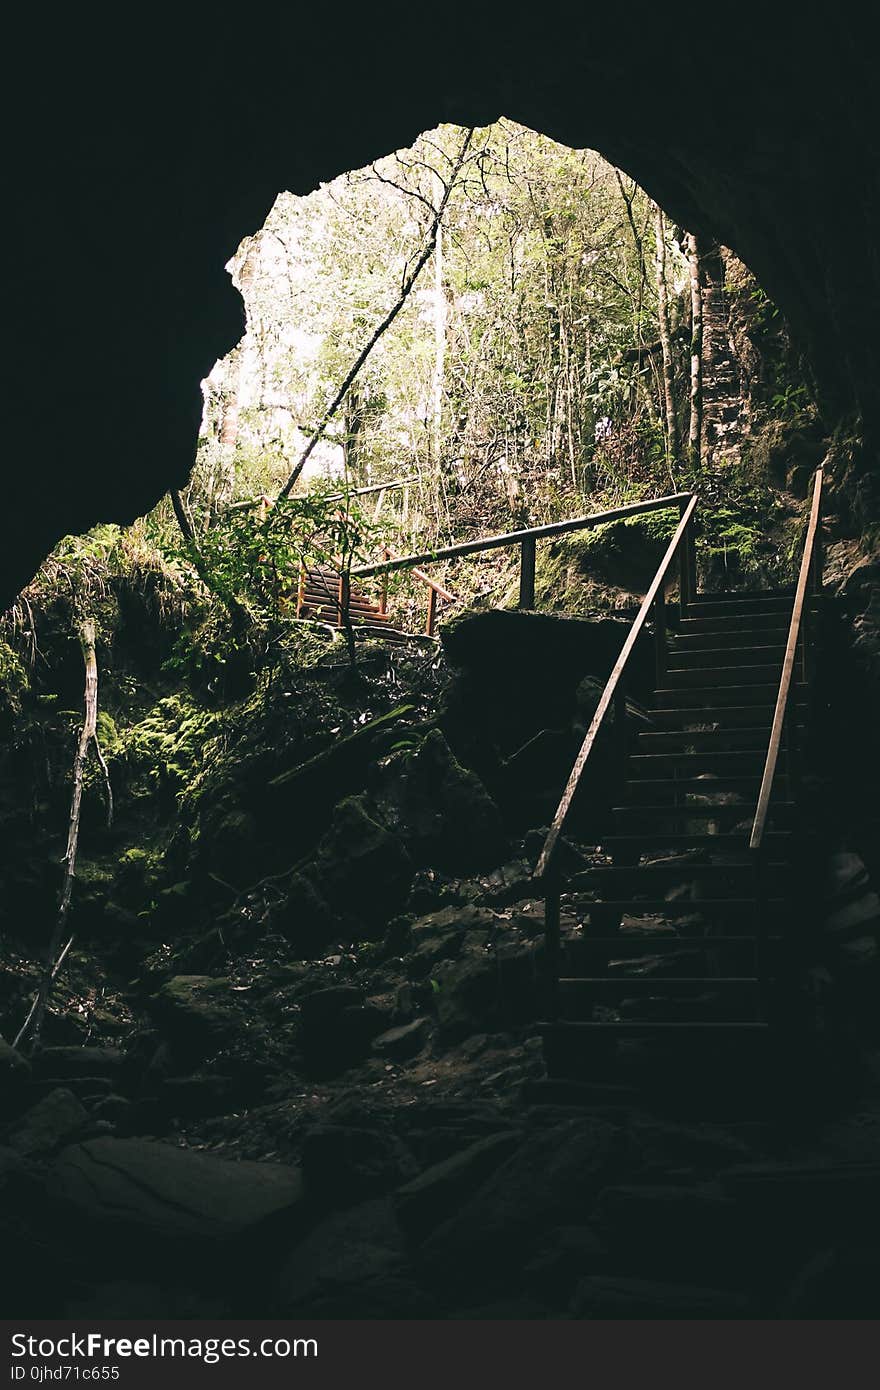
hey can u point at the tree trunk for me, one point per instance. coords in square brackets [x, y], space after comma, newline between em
[672, 439]
[439, 351]
[695, 428]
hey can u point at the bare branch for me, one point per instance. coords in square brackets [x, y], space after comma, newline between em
[389, 318]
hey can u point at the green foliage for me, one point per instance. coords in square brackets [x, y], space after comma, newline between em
[258, 561]
[168, 746]
[14, 679]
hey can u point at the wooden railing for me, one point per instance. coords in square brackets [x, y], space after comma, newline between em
[435, 592]
[527, 541]
[798, 649]
[680, 549]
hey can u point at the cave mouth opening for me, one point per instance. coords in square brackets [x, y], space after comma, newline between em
[495, 317]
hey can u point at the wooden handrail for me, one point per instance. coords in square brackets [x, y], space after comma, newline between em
[446, 596]
[554, 528]
[611, 687]
[810, 551]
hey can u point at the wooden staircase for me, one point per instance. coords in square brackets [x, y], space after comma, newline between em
[645, 964]
[322, 597]
[673, 948]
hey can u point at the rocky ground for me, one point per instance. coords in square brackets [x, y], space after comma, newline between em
[295, 1068]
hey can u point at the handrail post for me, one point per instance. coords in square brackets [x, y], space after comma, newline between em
[301, 590]
[383, 589]
[344, 598]
[685, 563]
[527, 572]
[432, 611]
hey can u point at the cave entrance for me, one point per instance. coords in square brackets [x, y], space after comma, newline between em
[483, 330]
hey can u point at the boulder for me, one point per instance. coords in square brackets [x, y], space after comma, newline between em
[398, 1044]
[145, 1197]
[518, 673]
[193, 1097]
[69, 1063]
[571, 1253]
[53, 1121]
[198, 1012]
[302, 799]
[15, 1073]
[364, 869]
[435, 1194]
[466, 994]
[441, 809]
[338, 1028]
[441, 935]
[678, 1232]
[841, 1283]
[482, 988]
[322, 1006]
[613, 1296]
[304, 917]
[553, 1177]
[345, 1252]
[344, 1163]
[12, 1169]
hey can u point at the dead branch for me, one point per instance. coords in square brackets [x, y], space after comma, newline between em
[87, 738]
[389, 318]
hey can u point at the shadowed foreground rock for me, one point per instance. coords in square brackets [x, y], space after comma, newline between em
[159, 1205]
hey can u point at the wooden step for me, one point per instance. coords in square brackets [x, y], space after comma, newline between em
[712, 697]
[693, 658]
[620, 984]
[729, 636]
[736, 908]
[714, 677]
[710, 741]
[734, 623]
[680, 719]
[731, 843]
[736, 760]
[632, 944]
[616, 880]
[646, 1028]
[312, 596]
[656, 789]
[713, 605]
[649, 816]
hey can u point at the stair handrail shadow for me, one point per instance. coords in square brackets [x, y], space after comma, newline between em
[546, 874]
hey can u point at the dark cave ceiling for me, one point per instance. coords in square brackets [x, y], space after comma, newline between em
[140, 152]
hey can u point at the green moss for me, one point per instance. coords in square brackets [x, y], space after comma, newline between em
[13, 679]
[171, 742]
